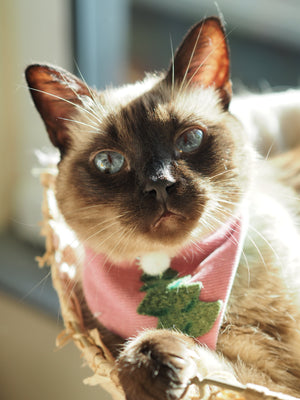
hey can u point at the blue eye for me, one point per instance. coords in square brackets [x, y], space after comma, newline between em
[189, 141]
[109, 162]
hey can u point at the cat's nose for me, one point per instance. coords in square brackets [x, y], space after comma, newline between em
[160, 188]
[159, 179]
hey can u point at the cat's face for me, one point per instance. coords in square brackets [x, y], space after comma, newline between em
[150, 166]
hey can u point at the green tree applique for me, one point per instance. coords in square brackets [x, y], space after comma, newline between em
[175, 302]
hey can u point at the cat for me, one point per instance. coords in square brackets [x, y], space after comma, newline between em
[155, 174]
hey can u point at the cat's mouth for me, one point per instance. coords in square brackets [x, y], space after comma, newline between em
[167, 217]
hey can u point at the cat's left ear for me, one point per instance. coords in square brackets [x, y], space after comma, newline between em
[203, 59]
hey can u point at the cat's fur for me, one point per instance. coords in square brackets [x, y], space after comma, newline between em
[259, 340]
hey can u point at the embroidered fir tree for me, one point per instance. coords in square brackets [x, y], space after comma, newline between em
[175, 302]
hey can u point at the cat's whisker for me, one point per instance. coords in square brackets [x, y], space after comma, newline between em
[114, 218]
[231, 189]
[190, 61]
[80, 98]
[79, 122]
[114, 233]
[217, 220]
[133, 231]
[195, 245]
[221, 223]
[98, 247]
[81, 108]
[257, 249]
[227, 171]
[265, 240]
[37, 285]
[101, 230]
[202, 64]
[173, 68]
[70, 288]
[92, 94]
[113, 249]
[208, 224]
[243, 253]
[226, 212]
[294, 198]
[269, 150]
[211, 227]
[227, 185]
[233, 203]
[233, 240]
[107, 224]
[91, 260]
[100, 208]
[124, 243]
[74, 215]
[84, 208]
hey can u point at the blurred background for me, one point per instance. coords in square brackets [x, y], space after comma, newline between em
[110, 42]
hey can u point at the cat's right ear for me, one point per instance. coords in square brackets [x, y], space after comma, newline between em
[56, 94]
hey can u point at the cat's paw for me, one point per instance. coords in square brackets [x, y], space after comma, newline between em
[157, 365]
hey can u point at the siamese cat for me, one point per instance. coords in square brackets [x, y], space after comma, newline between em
[192, 246]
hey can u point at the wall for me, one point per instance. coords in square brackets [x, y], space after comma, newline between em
[30, 31]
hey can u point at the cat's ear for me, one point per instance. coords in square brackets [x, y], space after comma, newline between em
[56, 94]
[203, 59]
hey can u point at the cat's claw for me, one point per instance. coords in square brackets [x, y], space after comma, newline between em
[157, 365]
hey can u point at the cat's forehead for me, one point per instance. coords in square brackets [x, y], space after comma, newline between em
[146, 108]
[117, 97]
[154, 99]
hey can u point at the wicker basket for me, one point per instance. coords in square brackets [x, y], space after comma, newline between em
[63, 255]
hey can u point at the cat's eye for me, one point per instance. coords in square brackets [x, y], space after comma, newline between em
[109, 162]
[189, 141]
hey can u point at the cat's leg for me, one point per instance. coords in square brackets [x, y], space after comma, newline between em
[160, 365]
[260, 333]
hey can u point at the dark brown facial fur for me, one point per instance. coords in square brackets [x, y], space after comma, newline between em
[159, 195]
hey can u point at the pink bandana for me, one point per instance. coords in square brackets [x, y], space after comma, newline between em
[114, 294]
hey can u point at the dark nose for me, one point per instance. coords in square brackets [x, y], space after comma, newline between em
[159, 179]
[160, 188]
